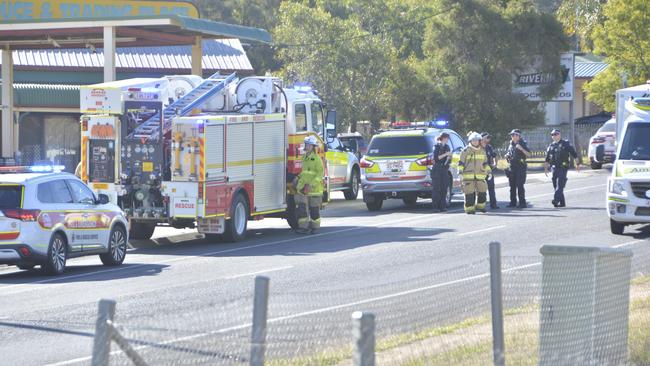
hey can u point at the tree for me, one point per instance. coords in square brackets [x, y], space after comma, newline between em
[580, 18]
[474, 50]
[251, 13]
[623, 39]
[347, 64]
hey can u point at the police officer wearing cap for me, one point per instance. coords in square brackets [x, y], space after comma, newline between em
[440, 173]
[491, 155]
[558, 154]
[516, 156]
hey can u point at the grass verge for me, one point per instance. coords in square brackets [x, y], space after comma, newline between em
[469, 342]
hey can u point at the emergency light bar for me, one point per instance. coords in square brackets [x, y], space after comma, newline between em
[32, 169]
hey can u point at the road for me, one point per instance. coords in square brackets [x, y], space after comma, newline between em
[182, 300]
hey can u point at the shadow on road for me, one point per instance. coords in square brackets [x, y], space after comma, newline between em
[283, 242]
[83, 273]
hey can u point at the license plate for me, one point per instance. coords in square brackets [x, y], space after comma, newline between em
[394, 166]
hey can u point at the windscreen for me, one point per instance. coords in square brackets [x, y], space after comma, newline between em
[608, 127]
[11, 196]
[400, 145]
[636, 145]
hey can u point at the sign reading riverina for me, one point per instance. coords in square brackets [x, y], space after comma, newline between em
[528, 83]
[89, 9]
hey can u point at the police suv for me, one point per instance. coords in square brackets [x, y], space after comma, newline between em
[47, 217]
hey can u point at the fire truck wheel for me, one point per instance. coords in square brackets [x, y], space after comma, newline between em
[236, 225]
[141, 231]
[292, 218]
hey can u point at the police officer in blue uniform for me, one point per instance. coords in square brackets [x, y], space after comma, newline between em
[516, 156]
[558, 154]
[440, 173]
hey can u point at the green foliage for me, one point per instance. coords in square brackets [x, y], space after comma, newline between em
[348, 65]
[622, 37]
[580, 18]
[251, 13]
[474, 50]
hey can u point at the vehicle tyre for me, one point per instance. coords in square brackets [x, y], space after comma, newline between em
[26, 267]
[450, 192]
[141, 230]
[238, 222]
[57, 254]
[376, 203]
[352, 193]
[595, 165]
[410, 200]
[616, 227]
[291, 215]
[116, 247]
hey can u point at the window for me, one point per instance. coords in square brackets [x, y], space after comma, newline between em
[335, 144]
[81, 193]
[400, 145]
[44, 193]
[636, 145]
[608, 127]
[350, 144]
[317, 118]
[301, 117]
[55, 191]
[11, 196]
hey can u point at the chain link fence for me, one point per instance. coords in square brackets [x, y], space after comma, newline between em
[563, 310]
[539, 138]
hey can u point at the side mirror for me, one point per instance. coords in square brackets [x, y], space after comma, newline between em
[103, 199]
[331, 118]
[600, 153]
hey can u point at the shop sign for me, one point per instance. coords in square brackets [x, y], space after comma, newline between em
[90, 9]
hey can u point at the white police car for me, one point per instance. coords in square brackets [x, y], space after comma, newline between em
[47, 217]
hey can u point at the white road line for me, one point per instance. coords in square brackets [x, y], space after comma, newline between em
[483, 230]
[335, 232]
[626, 244]
[307, 313]
[237, 249]
[258, 272]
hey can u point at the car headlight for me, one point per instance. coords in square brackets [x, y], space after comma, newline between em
[617, 188]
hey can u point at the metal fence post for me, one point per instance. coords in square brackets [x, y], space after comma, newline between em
[364, 338]
[260, 313]
[498, 344]
[102, 342]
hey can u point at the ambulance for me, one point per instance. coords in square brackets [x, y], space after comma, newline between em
[628, 187]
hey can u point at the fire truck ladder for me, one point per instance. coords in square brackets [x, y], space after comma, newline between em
[185, 104]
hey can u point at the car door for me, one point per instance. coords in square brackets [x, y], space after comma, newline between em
[57, 206]
[90, 224]
[337, 158]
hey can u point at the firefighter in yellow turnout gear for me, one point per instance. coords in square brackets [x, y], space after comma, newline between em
[309, 187]
[474, 168]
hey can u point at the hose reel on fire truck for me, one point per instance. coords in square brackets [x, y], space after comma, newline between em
[258, 95]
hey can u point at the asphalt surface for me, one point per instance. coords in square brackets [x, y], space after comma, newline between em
[182, 300]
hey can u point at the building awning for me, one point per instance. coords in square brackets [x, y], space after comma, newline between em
[225, 55]
[46, 96]
[130, 32]
[588, 70]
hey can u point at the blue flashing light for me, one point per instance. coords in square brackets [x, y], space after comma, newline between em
[441, 123]
[46, 168]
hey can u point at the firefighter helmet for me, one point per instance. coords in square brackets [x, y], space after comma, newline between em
[474, 136]
[311, 140]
